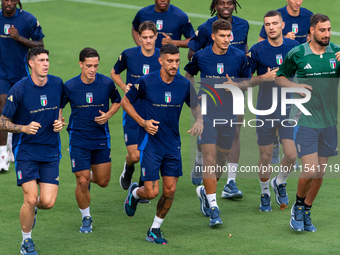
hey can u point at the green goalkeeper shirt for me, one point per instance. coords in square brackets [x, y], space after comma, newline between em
[321, 72]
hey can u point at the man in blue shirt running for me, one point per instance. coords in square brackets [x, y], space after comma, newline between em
[137, 61]
[162, 95]
[32, 114]
[171, 24]
[89, 94]
[19, 32]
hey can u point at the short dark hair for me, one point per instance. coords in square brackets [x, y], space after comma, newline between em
[35, 52]
[147, 25]
[169, 49]
[316, 18]
[221, 24]
[88, 53]
[215, 2]
[273, 13]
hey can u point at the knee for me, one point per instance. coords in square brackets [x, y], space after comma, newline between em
[151, 194]
[209, 159]
[290, 157]
[31, 201]
[103, 182]
[134, 157]
[169, 192]
[47, 203]
[265, 158]
[83, 183]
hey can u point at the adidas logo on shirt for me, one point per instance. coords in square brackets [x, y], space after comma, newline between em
[308, 66]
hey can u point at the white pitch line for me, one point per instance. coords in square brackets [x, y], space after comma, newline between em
[135, 7]
[34, 1]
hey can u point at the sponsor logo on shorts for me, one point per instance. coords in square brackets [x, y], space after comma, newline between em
[143, 171]
[126, 137]
[299, 147]
[73, 163]
[19, 175]
[6, 29]
[57, 179]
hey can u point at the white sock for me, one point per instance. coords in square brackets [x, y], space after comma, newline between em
[134, 193]
[199, 158]
[25, 236]
[232, 170]
[282, 177]
[85, 212]
[265, 187]
[212, 200]
[157, 222]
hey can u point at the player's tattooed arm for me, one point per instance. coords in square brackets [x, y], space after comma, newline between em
[7, 125]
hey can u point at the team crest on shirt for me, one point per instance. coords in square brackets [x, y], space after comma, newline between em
[231, 36]
[220, 68]
[146, 69]
[295, 28]
[333, 63]
[279, 59]
[6, 29]
[43, 100]
[159, 24]
[167, 97]
[89, 98]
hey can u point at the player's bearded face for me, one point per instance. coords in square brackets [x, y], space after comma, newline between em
[89, 68]
[170, 63]
[322, 33]
[148, 39]
[225, 8]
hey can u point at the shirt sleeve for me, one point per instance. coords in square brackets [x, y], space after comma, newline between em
[65, 98]
[252, 60]
[245, 69]
[186, 27]
[121, 63]
[263, 33]
[197, 40]
[192, 99]
[12, 103]
[36, 33]
[192, 67]
[136, 91]
[114, 94]
[136, 21]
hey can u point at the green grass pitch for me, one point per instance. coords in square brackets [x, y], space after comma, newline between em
[72, 25]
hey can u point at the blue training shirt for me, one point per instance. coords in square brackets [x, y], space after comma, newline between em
[27, 102]
[202, 37]
[86, 100]
[136, 65]
[162, 102]
[174, 22]
[261, 56]
[214, 69]
[12, 53]
[299, 24]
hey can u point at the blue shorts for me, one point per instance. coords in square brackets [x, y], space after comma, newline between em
[5, 86]
[267, 133]
[168, 164]
[131, 130]
[46, 172]
[221, 135]
[324, 141]
[82, 159]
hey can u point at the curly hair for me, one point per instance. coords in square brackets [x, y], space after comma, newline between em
[215, 2]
